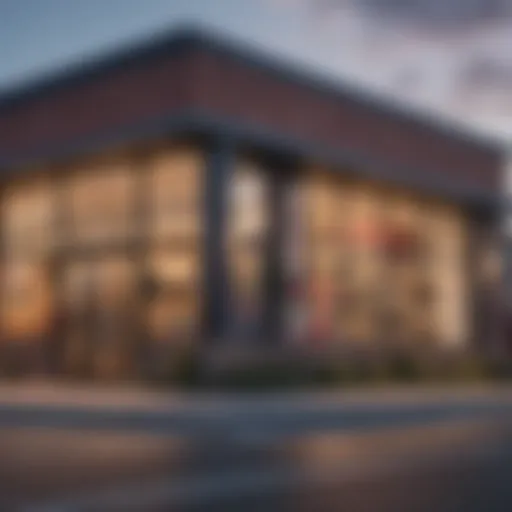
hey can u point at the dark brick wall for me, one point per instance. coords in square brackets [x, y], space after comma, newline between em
[106, 103]
[228, 87]
[249, 94]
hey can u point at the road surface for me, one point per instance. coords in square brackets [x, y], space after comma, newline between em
[384, 453]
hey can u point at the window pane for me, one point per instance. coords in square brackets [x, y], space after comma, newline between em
[102, 203]
[27, 220]
[248, 223]
[173, 294]
[175, 194]
[26, 301]
[173, 267]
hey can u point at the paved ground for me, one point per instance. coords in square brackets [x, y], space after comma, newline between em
[44, 392]
[364, 451]
[246, 417]
[446, 467]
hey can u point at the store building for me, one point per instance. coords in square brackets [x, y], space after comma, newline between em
[192, 190]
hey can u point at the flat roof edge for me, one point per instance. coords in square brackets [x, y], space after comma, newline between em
[189, 35]
[199, 122]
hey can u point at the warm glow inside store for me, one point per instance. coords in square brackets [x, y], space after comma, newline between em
[365, 264]
[107, 258]
[103, 257]
[196, 192]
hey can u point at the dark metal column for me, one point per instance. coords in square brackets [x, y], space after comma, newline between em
[274, 274]
[281, 178]
[219, 166]
[486, 289]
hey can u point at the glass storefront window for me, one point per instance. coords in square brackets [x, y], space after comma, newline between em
[173, 301]
[176, 194]
[99, 309]
[321, 203]
[380, 264]
[173, 264]
[28, 238]
[248, 225]
[175, 268]
[102, 203]
[86, 283]
[26, 301]
[361, 289]
[28, 215]
[450, 308]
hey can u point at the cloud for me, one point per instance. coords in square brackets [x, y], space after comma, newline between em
[454, 56]
[434, 16]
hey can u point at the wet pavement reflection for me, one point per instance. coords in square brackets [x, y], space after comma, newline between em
[456, 466]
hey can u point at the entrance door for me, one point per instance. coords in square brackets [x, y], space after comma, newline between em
[98, 300]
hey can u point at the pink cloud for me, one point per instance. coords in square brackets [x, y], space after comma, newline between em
[429, 52]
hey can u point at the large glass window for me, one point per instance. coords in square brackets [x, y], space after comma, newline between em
[127, 262]
[248, 224]
[28, 214]
[28, 237]
[322, 243]
[449, 276]
[101, 301]
[402, 269]
[360, 266]
[176, 195]
[173, 310]
[381, 264]
[173, 267]
[26, 301]
[102, 203]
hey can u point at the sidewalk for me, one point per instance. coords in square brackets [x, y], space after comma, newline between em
[254, 419]
[72, 396]
[137, 447]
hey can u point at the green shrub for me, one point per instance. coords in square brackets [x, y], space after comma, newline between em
[262, 376]
[181, 368]
[186, 368]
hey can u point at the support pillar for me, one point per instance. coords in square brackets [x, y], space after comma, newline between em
[219, 166]
[275, 293]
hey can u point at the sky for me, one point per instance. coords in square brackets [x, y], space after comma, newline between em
[452, 57]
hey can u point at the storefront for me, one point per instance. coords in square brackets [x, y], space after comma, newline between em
[104, 258]
[263, 220]
[383, 264]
